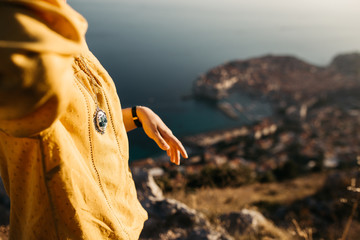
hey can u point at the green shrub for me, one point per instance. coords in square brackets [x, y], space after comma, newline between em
[220, 177]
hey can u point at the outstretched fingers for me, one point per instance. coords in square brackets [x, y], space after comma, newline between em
[156, 129]
[179, 147]
[176, 148]
[174, 142]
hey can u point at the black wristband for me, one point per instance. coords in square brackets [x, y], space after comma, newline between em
[135, 117]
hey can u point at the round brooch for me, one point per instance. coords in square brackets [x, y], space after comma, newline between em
[100, 121]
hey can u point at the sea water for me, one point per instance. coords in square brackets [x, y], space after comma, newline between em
[154, 50]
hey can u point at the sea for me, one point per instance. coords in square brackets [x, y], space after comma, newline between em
[155, 49]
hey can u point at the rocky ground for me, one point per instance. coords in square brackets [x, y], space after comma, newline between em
[172, 219]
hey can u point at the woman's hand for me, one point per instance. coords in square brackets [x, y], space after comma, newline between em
[156, 129]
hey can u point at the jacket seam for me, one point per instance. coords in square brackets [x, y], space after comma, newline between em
[113, 128]
[93, 161]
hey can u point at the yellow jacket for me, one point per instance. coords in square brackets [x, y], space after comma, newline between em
[65, 180]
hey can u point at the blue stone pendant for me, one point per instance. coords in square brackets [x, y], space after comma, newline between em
[100, 120]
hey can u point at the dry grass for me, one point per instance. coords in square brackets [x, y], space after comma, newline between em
[215, 201]
[266, 232]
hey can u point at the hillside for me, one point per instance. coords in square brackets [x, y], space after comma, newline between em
[297, 167]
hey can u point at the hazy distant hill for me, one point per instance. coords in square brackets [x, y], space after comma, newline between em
[272, 75]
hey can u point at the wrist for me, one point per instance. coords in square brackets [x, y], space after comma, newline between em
[135, 116]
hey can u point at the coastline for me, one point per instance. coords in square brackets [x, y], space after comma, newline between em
[313, 132]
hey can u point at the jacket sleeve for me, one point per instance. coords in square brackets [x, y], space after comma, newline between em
[38, 40]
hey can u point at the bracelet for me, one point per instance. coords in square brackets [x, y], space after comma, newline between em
[135, 117]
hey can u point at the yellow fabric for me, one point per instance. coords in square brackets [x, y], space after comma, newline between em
[65, 180]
